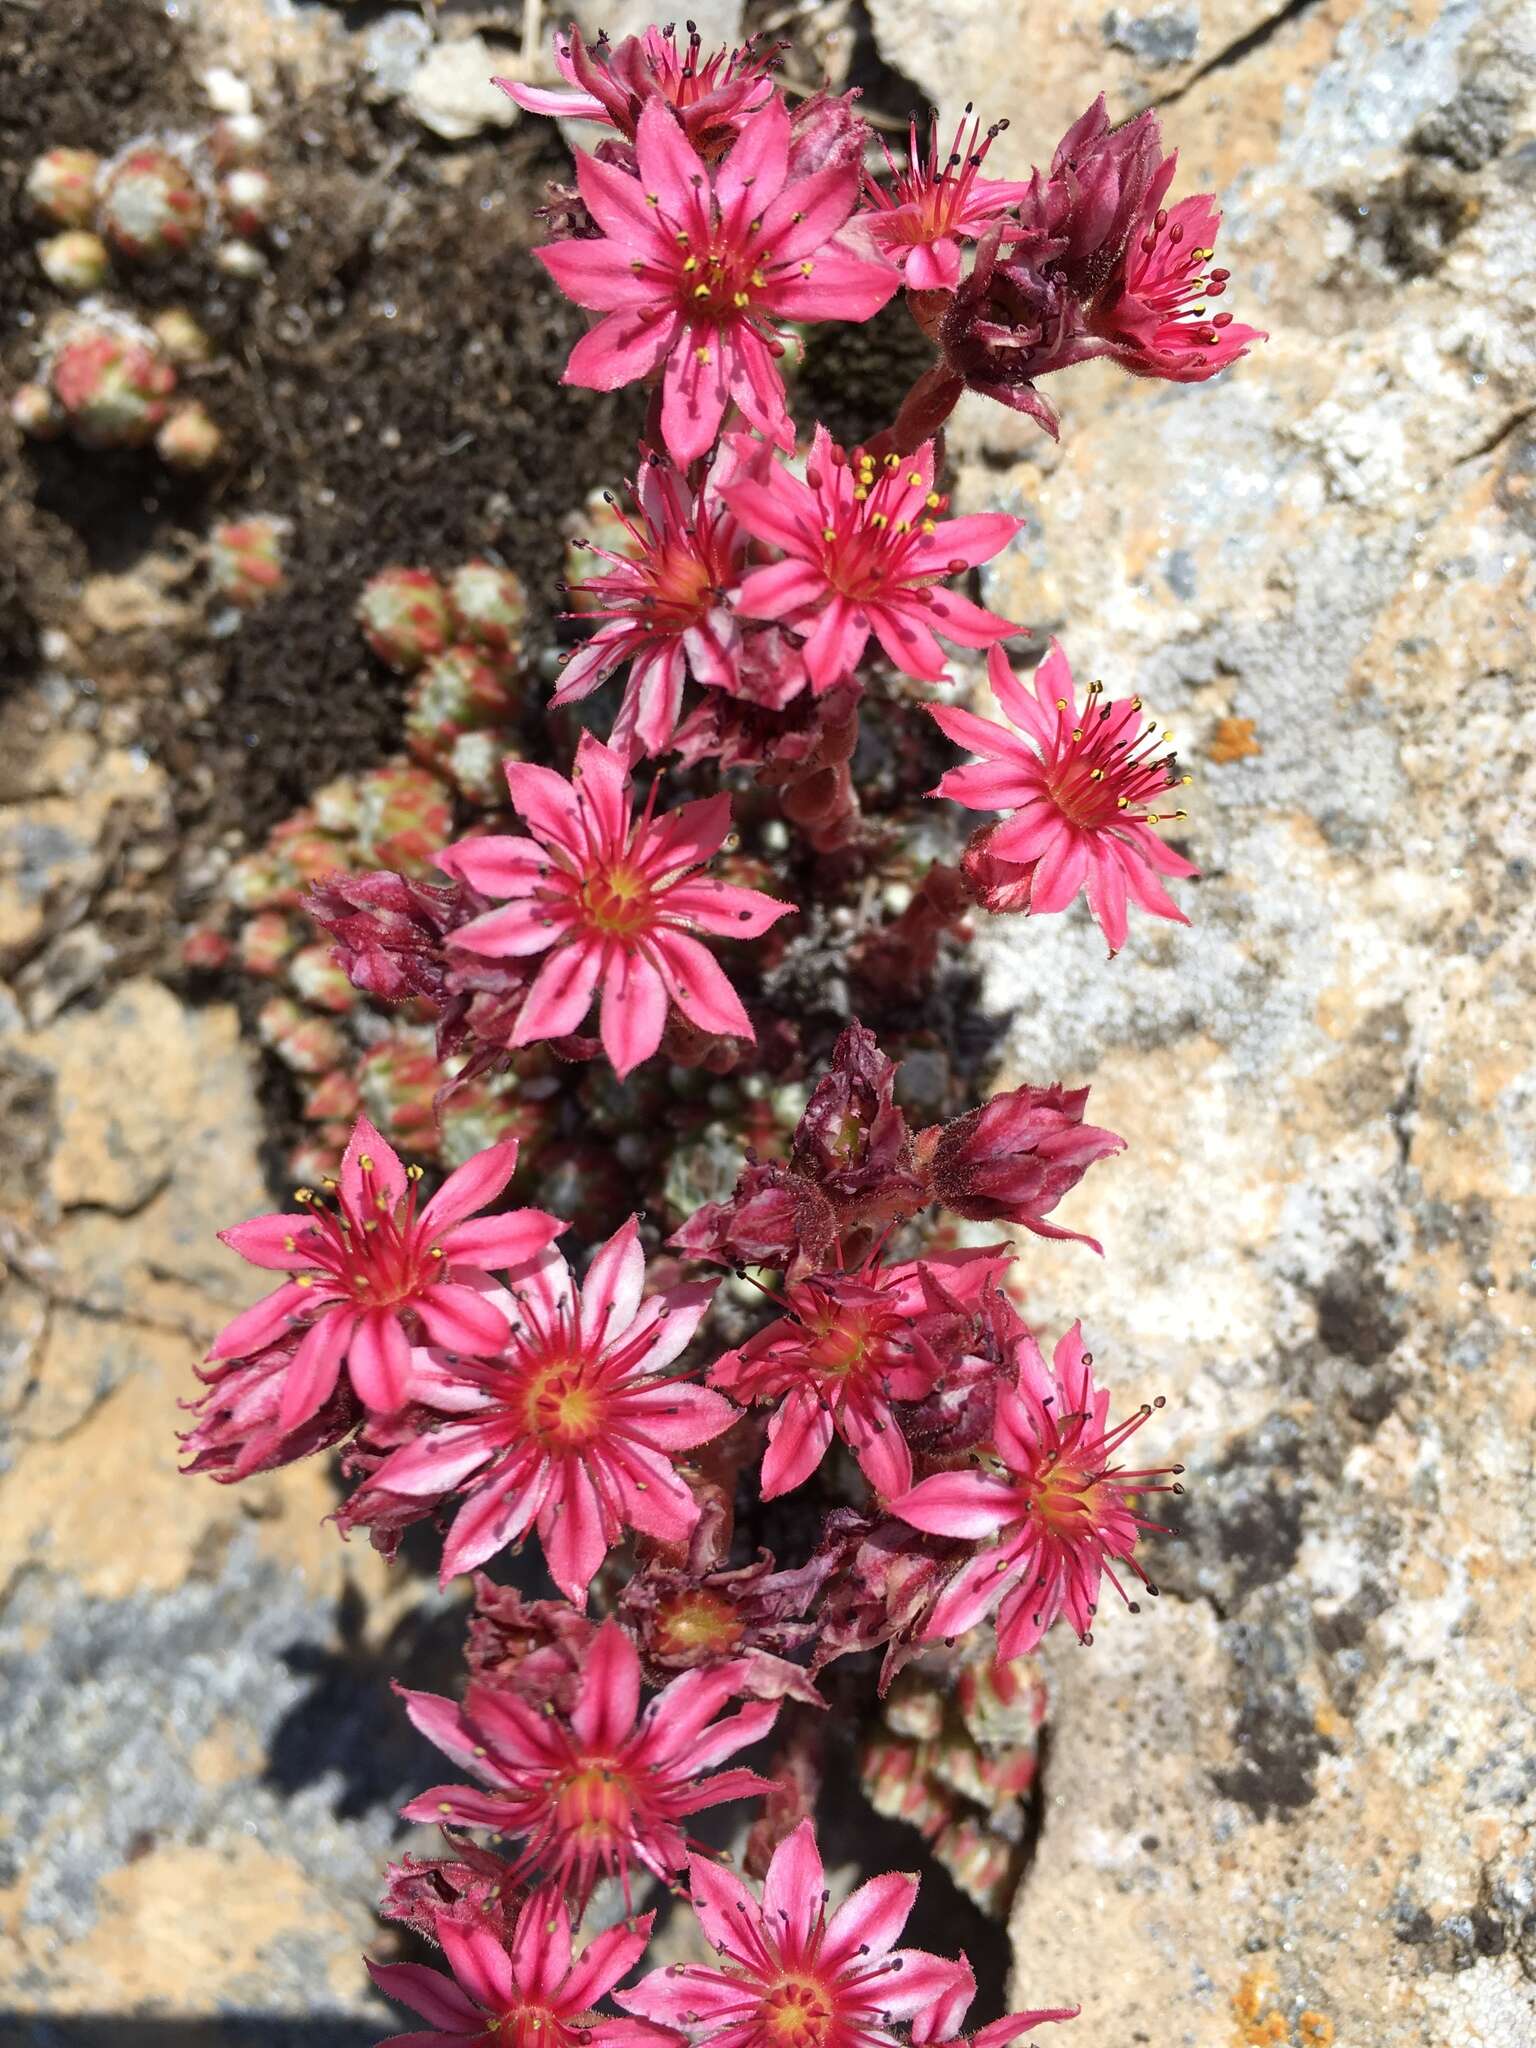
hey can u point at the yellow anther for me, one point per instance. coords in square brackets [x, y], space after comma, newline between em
[741, 299]
[702, 355]
[1121, 802]
[701, 291]
[1061, 703]
[929, 527]
[806, 269]
[860, 495]
[758, 279]
[304, 1194]
[305, 1280]
[1167, 735]
[829, 533]
[651, 199]
[902, 526]
[1096, 775]
[893, 462]
[690, 266]
[933, 501]
[366, 1163]
[878, 519]
[1077, 732]
[414, 1172]
[290, 1244]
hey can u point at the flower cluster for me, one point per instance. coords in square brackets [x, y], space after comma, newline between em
[787, 1306]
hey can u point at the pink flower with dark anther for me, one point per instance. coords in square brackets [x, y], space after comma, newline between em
[613, 903]
[1156, 307]
[1012, 1160]
[611, 83]
[792, 1975]
[662, 607]
[935, 202]
[526, 1992]
[378, 1274]
[1078, 782]
[603, 1793]
[573, 1426]
[851, 1344]
[864, 552]
[693, 268]
[1062, 1513]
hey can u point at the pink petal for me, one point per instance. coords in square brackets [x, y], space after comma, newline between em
[615, 1281]
[753, 173]
[870, 1919]
[515, 932]
[971, 1594]
[496, 1242]
[653, 1495]
[794, 1884]
[444, 1725]
[957, 1504]
[610, 1690]
[798, 1435]
[725, 1909]
[617, 202]
[434, 1463]
[379, 1361]
[311, 1379]
[429, 1992]
[967, 624]
[782, 590]
[602, 784]
[541, 1949]
[606, 1958]
[987, 786]
[907, 639]
[922, 1980]
[693, 978]
[782, 512]
[571, 1530]
[1002, 2031]
[255, 1328]
[726, 1785]
[601, 655]
[462, 1805]
[479, 1962]
[679, 1416]
[385, 1178]
[562, 106]
[838, 639]
[548, 805]
[809, 212]
[694, 393]
[460, 1319]
[882, 1452]
[722, 908]
[669, 167]
[669, 1996]
[1107, 896]
[841, 286]
[971, 540]
[595, 275]
[496, 865]
[684, 837]
[932, 266]
[620, 349]
[634, 1011]
[494, 1515]
[561, 994]
[470, 1187]
[275, 1242]
[1062, 870]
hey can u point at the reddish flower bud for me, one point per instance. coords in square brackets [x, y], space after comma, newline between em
[1013, 1159]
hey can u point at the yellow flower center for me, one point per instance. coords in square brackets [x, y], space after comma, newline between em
[617, 901]
[694, 1621]
[797, 2014]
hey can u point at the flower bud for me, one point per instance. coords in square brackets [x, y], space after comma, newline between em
[76, 261]
[404, 616]
[150, 205]
[61, 187]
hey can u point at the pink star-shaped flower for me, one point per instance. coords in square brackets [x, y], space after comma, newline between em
[865, 552]
[1078, 782]
[613, 903]
[378, 1275]
[694, 267]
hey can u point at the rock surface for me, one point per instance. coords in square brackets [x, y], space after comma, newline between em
[1294, 1801]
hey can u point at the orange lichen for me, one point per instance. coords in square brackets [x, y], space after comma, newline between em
[1232, 740]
